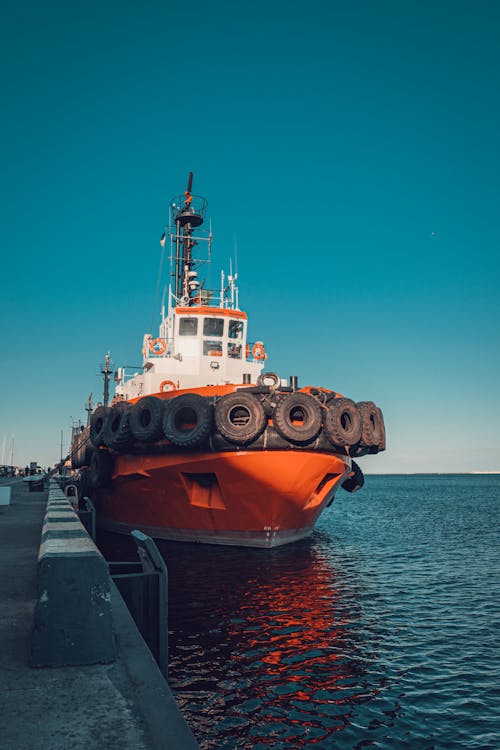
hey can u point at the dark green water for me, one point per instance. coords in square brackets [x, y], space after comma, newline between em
[382, 630]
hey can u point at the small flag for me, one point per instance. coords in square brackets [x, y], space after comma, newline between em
[162, 240]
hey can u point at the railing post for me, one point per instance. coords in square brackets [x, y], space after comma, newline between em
[146, 595]
[87, 517]
[153, 562]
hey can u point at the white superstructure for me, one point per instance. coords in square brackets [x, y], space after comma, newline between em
[199, 343]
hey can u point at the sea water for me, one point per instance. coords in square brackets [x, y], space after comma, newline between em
[381, 630]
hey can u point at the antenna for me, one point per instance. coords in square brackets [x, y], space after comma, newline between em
[235, 258]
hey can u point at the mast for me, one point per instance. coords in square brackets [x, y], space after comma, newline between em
[106, 371]
[188, 214]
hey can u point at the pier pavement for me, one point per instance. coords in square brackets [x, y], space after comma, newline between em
[126, 705]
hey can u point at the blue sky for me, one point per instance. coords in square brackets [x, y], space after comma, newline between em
[352, 147]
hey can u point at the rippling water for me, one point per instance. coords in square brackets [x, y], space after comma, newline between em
[381, 630]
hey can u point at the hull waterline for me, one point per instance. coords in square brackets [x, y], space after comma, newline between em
[245, 498]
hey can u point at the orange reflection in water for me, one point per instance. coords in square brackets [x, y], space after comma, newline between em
[302, 667]
[266, 647]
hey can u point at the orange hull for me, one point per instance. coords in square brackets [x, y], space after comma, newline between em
[252, 498]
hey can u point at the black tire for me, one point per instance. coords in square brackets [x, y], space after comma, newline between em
[117, 433]
[382, 442]
[240, 417]
[271, 379]
[98, 425]
[342, 423]
[187, 420]
[355, 480]
[372, 425]
[77, 451]
[298, 418]
[85, 488]
[101, 469]
[88, 452]
[145, 419]
[83, 454]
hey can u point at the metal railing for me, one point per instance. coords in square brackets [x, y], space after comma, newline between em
[86, 514]
[144, 588]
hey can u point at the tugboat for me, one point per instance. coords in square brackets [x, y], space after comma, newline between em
[200, 444]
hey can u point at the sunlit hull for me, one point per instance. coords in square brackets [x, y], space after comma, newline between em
[249, 498]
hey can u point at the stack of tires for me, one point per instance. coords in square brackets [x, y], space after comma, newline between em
[81, 450]
[258, 418]
[263, 417]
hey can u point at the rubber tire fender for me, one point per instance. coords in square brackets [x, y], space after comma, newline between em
[77, 451]
[117, 433]
[145, 419]
[371, 424]
[83, 455]
[342, 422]
[187, 420]
[98, 425]
[382, 443]
[240, 417]
[295, 405]
[273, 376]
[101, 469]
[355, 480]
[85, 487]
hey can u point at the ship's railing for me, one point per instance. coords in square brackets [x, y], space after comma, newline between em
[197, 206]
[206, 298]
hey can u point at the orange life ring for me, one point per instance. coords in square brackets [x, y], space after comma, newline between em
[258, 351]
[170, 383]
[157, 346]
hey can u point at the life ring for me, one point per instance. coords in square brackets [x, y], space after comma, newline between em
[170, 383]
[258, 351]
[157, 346]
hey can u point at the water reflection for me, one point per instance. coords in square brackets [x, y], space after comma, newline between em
[264, 644]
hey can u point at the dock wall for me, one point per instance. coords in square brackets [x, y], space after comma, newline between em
[73, 615]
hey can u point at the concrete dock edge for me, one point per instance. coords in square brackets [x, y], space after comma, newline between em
[165, 722]
[73, 619]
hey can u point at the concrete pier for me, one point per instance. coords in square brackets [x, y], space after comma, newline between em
[123, 705]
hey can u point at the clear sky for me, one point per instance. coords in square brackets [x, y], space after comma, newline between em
[352, 146]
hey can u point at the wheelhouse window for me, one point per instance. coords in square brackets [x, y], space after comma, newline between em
[234, 350]
[235, 329]
[188, 326]
[213, 327]
[212, 348]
